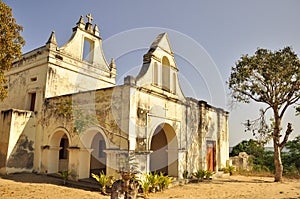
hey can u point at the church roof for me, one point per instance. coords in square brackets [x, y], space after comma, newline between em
[162, 41]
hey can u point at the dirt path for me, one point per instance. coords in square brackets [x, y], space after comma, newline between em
[28, 186]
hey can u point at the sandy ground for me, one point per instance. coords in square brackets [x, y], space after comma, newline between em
[28, 186]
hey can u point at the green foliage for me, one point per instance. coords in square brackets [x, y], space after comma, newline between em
[155, 182]
[64, 175]
[82, 120]
[74, 114]
[11, 43]
[153, 178]
[146, 185]
[271, 78]
[268, 77]
[263, 160]
[110, 181]
[199, 174]
[102, 179]
[291, 158]
[164, 181]
[298, 110]
[208, 174]
[251, 147]
[229, 169]
[65, 109]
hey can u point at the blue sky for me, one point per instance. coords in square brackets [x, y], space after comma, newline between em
[221, 30]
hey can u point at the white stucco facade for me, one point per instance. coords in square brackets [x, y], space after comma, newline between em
[65, 112]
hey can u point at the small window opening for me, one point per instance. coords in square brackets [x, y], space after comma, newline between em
[64, 144]
[33, 79]
[165, 74]
[32, 101]
[88, 50]
[155, 74]
[101, 148]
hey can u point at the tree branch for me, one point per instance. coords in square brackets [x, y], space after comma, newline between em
[288, 131]
[288, 103]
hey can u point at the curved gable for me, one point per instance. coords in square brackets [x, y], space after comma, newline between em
[86, 44]
[159, 71]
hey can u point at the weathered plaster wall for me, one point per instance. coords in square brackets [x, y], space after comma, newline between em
[70, 71]
[194, 137]
[71, 76]
[104, 111]
[78, 99]
[18, 137]
[5, 125]
[25, 77]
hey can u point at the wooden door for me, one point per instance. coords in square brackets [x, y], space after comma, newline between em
[211, 155]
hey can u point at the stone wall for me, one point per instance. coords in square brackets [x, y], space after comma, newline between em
[17, 137]
[242, 161]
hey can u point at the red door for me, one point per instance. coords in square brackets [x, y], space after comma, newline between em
[211, 156]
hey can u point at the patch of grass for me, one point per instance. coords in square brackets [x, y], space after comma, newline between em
[255, 173]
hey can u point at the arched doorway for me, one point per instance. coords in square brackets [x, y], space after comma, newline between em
[164, 157]
[58, 154]
[98, 156]
[63, 154]
[96, 143]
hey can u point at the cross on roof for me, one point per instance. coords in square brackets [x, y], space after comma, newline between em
[90, 18]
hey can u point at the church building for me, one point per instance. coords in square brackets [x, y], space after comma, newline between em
[64, 111]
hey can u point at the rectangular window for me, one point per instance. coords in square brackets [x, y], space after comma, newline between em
[166, 78]
[101, 149]
[88, 50]
[155, 74]
[32, 101]
[64, 144]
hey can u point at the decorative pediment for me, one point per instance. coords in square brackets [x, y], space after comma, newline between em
[159, 71]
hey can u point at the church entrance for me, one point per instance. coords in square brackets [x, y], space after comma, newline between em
[58, 154]
[98, 156]
[63, 154]
[164, 147]
[211, 155]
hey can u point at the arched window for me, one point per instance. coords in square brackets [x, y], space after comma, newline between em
[64, 144]
[165, 74]
[155, 74]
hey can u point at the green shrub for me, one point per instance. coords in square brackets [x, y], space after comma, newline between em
[146, 185]
[102, 179]
[199, 174]
[64, 175]
[229, 169]
[208, 174]
[164, 181]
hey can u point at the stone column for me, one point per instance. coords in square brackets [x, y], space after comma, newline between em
[173, 162]
[143, 160]
[52, 160]
[182, 163]
[79, 163]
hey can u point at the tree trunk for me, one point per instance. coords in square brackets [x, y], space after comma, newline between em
[277, 149]
[277, 163]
